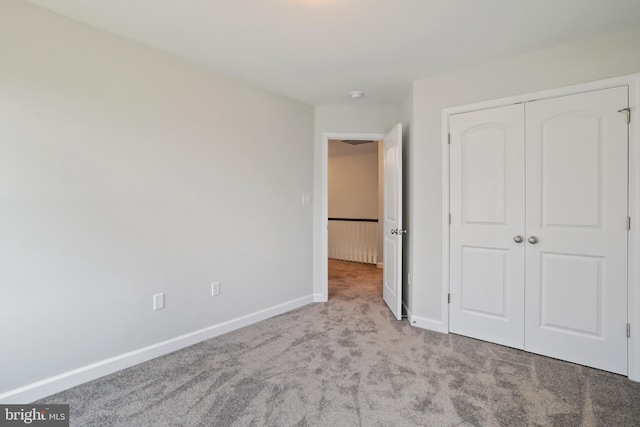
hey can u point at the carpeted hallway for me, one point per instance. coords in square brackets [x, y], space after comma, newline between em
[350, 363]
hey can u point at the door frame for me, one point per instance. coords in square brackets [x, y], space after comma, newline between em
[321, 220]
[633, 245]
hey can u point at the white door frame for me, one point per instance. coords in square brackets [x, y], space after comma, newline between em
[633, 254]
[321, 263]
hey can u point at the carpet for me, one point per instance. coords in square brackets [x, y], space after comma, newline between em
[348, 362]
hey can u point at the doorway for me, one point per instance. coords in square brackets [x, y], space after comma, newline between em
[392, 219]
[355, 195]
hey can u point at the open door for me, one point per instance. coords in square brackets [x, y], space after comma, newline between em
[393, 231]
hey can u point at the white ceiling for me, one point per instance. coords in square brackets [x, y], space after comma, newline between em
[318, 51]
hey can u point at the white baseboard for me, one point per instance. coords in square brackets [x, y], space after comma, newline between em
[320, 298]
[58, 383]
[380, 265]
[431, 324]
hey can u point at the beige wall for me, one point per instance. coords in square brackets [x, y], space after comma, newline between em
[353, 186]
[593, 59]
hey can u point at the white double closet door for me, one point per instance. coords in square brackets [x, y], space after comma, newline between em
[538, 237]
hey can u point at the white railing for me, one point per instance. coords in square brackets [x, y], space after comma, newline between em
[353, 240]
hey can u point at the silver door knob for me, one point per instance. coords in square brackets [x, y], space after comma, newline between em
[518, 239]
[533, 240]
[402, 231]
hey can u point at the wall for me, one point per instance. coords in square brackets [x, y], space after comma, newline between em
[126, 172]
[592, 59]
[355, 117]
[353, 186]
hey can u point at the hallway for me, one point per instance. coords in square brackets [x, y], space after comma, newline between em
[353, 279]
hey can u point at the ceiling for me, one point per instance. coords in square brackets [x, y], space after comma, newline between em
[318, 51]
[338, 148]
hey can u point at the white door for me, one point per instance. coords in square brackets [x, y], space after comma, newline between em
[487, 207]
[576, 283]
[393, 232]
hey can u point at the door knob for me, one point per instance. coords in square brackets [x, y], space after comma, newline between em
[394, 231]
[533, 240]
[518, 239]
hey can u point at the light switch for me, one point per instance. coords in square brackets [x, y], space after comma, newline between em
[158, 301]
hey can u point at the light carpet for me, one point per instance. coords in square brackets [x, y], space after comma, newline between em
[348, 362]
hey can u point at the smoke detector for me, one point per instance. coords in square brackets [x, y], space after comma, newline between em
[356, 94]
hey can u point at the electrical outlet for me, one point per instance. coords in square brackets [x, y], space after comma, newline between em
[215, 289]
[158, 301]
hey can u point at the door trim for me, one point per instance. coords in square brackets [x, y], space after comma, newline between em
[320, 221]
[633, 249]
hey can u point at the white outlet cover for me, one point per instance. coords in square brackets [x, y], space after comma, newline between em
[215, 289]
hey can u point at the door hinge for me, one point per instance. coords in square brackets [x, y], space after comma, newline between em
[448, 298]
[449, 219]
[449, 139]
[628, 330]
[628, 111]
[628, 223]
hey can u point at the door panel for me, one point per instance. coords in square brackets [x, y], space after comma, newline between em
[565, 137]
[484, 282]
[484, 166]
[487, 207]
[563, 277]
[576, 195]
[392, 250]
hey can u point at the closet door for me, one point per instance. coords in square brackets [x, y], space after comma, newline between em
[487, 208]
[576, 253]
